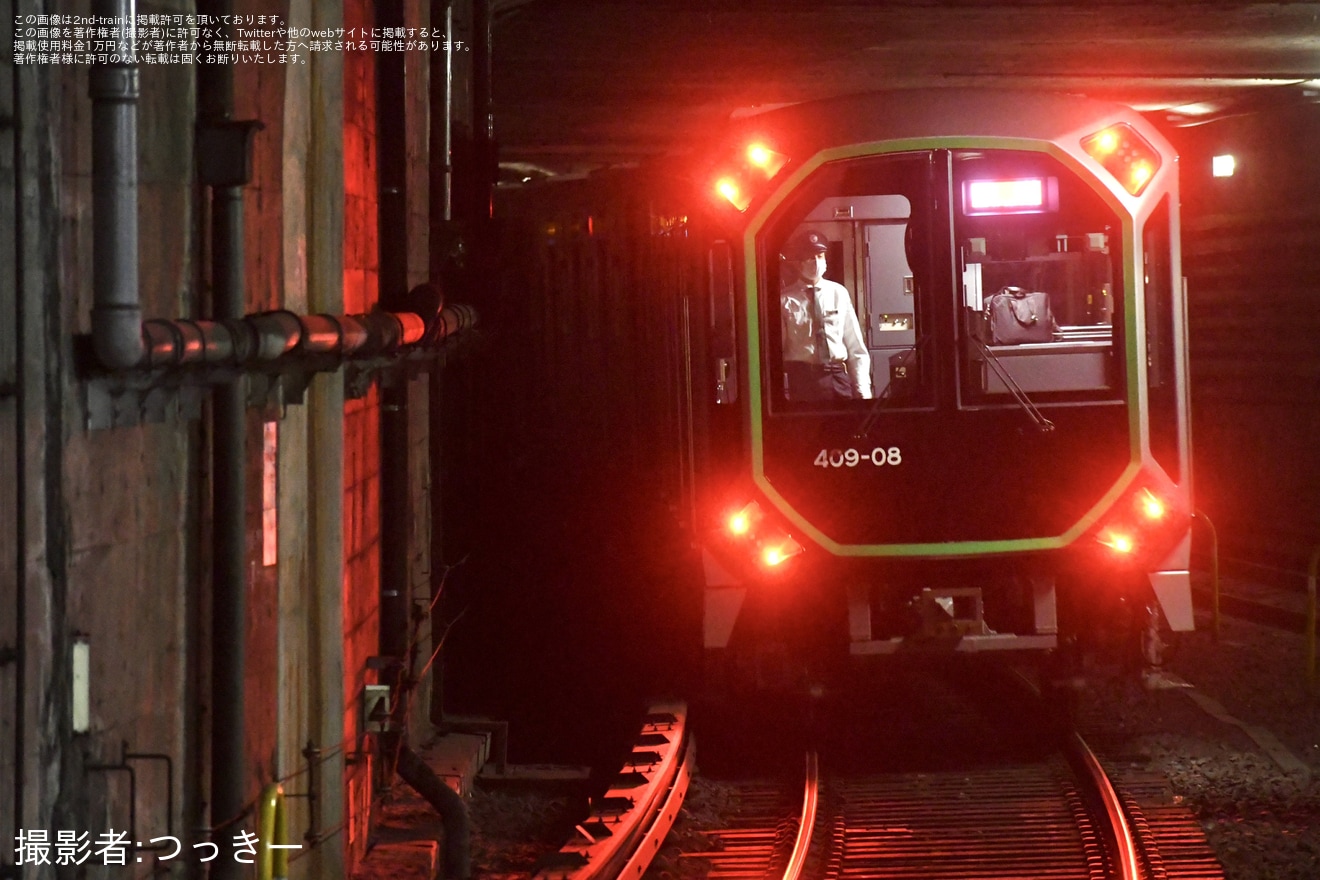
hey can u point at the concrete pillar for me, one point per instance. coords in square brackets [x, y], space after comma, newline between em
[325, 425]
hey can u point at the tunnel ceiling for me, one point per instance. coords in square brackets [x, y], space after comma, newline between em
[585, 84]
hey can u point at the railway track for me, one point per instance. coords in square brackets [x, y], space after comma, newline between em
[628, 823]
[1059, 814]
[1045, 820]
[770, 835]
[1055, 813]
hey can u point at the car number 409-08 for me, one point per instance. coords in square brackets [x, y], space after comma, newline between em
[880, 455]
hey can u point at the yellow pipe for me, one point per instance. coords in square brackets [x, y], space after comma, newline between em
[273, 864]
[1311, 571]
[1214, 572]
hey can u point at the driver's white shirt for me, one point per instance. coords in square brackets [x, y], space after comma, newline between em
[843, 343]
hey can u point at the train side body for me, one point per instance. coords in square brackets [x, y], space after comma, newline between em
[1019, 477]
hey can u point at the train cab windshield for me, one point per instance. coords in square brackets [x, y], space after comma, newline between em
[962, 278]
[1036, 254]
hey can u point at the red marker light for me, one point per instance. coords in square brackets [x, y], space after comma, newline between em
[777, 552]
[744, 521]
[740, 523]
[1118, 542]
[1147, 521]
[1106, 141]
[746, 171]
[764, 159]
[729, 188]
[1124, 154]
[1151, 506]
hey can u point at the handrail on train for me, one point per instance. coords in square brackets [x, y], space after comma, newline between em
[272, 859]
[1312, 568]
[1214, 571]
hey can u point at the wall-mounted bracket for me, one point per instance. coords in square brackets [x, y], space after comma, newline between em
[376, 708]
[138, 399]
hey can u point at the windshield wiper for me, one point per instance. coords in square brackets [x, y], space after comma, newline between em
[883, 398]
[1043, 424]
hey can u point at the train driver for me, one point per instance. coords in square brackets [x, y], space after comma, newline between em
[825, 357]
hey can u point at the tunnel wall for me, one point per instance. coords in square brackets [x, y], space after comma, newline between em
[105, 533]
[1253, 280]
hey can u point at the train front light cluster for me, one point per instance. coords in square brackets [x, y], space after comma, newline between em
[1144, 522]
[738, 182]
[759, 541]
[1124, 154]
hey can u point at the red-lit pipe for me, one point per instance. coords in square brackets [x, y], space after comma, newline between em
[268, 336]
[275, 333]
[175, 343]
[455, 319]
[355, 333]
[412, 327]
[321, 334]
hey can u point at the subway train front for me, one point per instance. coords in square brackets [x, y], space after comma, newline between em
[939, 384]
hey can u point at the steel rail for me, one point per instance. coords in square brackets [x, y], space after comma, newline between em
[628, 824]
[1089, 768]
[771, 834]
[810, 800]
[1123, 842]
[663, 819]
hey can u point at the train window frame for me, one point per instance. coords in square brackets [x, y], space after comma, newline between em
[1162, 292]
[838, 188]
[1075, 239]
